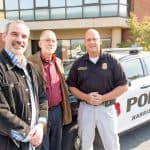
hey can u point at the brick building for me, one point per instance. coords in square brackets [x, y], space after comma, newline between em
[141, 9]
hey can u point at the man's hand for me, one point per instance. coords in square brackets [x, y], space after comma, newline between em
[36, 134]
[94, 98]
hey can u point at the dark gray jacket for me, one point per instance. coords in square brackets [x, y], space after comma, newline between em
[15, 106]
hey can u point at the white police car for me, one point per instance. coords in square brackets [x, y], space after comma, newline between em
[134, 104]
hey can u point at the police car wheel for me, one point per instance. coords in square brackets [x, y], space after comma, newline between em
[70, 140]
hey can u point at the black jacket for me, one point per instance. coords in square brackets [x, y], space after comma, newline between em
[15, 106]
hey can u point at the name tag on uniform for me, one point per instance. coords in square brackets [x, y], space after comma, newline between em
[82, 68]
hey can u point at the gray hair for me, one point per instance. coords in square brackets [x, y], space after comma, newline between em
[17, 22]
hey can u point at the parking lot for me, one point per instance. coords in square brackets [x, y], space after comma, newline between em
[137, 139]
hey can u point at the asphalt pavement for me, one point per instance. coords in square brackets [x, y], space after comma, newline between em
[137, 139]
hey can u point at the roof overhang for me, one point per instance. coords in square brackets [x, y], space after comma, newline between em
[109, 22]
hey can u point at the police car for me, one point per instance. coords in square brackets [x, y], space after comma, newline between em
[133, 106]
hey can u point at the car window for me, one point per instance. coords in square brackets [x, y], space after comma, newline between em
[67, 67]
[133, 69]
[147, 62]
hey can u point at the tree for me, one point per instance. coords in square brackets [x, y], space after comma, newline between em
[139, 33]
[144, 30]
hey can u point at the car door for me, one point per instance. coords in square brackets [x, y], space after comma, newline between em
[135, 103]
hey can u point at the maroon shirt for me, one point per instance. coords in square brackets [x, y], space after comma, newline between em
[53, 90]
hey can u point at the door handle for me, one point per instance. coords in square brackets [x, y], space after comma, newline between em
[145, 86]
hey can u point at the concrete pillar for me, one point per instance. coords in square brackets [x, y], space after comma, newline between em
[116, 37]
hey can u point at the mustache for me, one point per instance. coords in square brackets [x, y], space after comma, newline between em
[51, 48]
[18, 43]
[94, 48]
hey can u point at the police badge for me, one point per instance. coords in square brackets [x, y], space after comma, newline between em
[104, 66]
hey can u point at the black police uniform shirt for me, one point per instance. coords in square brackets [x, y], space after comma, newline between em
[101, 77]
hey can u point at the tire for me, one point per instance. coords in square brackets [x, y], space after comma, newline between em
[70, 138]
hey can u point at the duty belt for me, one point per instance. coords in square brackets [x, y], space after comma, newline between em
[106, 103]
[109, 103]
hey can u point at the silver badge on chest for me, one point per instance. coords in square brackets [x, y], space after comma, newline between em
[104, 66]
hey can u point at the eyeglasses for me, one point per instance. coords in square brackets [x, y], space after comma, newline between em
[92, 39]
[48, 40]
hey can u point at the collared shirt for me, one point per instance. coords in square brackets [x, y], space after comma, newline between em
[101, 77]
[53, 89]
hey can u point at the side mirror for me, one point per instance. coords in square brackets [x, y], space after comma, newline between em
[129, 82]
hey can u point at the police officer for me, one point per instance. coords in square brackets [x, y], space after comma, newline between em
[96, 79]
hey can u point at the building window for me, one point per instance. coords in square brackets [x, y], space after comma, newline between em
[26, 4]
[109, 10]
[91, 11]
[57, 3]
[77, 48]
[26, 14]
[74, 2]
[58, 13]
[41, 3]
[106, 43]
[74, 12]
[35, 46]
[11, 4]
[42, 14]
[123, 2]
[64, 9]
[90, 1]
[65, 48]
[12, 15]
[123, 10]
[109, 1]
[71, 48]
